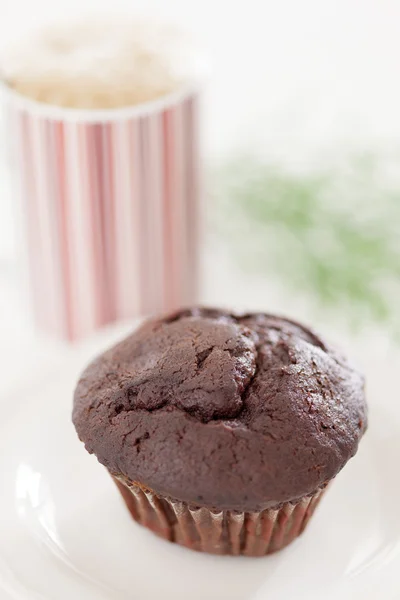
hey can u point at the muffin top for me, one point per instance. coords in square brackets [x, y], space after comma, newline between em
[233, 412]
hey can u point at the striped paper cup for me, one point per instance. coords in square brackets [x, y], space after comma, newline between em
[110, 207]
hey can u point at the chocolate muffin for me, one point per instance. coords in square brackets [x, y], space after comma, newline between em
[222, 431]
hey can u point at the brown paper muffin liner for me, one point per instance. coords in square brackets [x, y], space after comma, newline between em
[218, 532]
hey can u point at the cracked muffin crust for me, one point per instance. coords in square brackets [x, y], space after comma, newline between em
[231, 412]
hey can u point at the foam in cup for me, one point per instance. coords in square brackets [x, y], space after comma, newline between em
[99, 63]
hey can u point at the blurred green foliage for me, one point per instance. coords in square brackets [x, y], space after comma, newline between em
[333, 233]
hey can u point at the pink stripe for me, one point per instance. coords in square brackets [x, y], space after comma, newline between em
[86, 178]
[92, 150]
[84, 183]
[104, 173]
[64, 237]
[99, 167]
[136, 299]
[108, 137]
[151, 210]
[54, 209]
[154, 211]
[126, 222]
[179, 235]
[169, 267]
[192, 200]
[144, 237]
[58, 206]
[159, 211]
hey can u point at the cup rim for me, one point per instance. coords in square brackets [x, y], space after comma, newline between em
[94, 115]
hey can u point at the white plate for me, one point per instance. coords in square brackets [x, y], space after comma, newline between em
[65, 533]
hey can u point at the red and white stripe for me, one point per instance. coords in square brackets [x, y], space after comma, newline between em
[111, 213]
